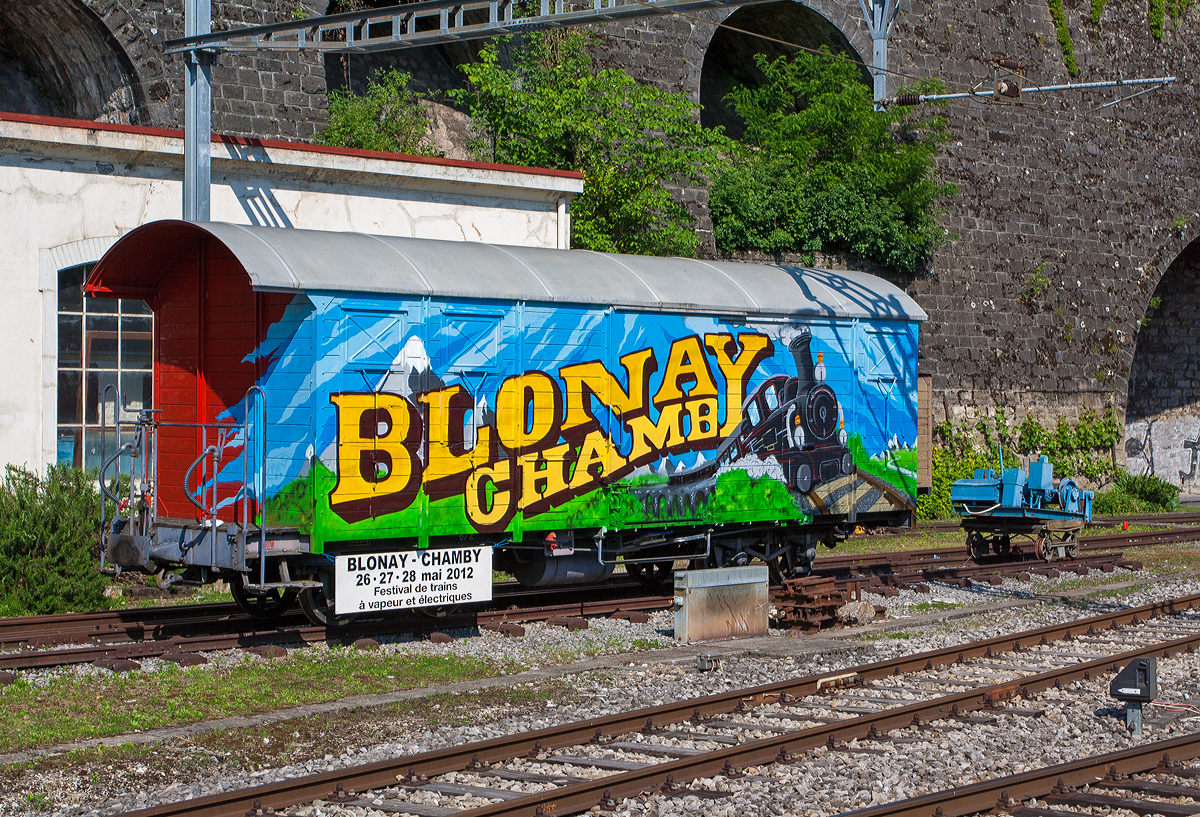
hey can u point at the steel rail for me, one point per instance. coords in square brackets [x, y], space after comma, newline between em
[385, 773]
[583, 796]
[40, 659]
[986, 795]
[1108, 541]
[110, 623]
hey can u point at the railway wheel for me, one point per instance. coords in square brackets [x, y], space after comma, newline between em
[1072, 543]
[1045, 547]
[319, 609]
[977, 545]
[1002, 545]
[651, 574]
[261, 606]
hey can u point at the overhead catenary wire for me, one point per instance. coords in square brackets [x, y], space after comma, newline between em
[1088, 118]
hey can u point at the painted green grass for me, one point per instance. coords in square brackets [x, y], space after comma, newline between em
[886, 468]
[738, 497]
[67, 710]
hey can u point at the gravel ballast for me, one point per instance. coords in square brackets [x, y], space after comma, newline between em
[625, 673]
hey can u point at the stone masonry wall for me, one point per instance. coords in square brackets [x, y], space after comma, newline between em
[1067, 217]
[1084, 199]
[267, 95]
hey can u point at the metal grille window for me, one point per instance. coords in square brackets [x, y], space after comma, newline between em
[101, 342]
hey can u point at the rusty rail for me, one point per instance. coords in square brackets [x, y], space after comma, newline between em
[582, 796]
[990, 795]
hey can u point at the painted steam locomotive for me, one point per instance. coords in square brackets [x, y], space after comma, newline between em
[375, 423]
[796, 420]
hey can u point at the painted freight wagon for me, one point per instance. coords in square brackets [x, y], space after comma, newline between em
[409, 414]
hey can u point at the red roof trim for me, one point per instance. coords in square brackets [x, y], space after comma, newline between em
[83, 124]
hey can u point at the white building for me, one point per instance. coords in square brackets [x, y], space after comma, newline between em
[69, 190]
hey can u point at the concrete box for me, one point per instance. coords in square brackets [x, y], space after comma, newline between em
[728, 602]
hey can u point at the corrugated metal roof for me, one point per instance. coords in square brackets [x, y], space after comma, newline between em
[308, 260]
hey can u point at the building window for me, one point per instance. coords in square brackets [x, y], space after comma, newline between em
[101, 342]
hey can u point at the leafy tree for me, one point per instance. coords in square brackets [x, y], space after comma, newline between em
[821, 170]
[552, 109]
[389, 117]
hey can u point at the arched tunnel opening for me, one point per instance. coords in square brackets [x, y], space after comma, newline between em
[760, 29]
[58, 59]
[1162, 415]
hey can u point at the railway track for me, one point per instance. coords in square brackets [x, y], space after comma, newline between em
[184, 630]
[636, 754]
[137, 624]
[932, 560]
[1146, 779]
[119, 645]
[1174, 518]
[184, 649]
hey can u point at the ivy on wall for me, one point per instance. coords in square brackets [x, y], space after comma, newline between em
[1059, 16]
[1156, 18]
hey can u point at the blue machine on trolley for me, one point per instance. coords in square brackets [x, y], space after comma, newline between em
[996, 509]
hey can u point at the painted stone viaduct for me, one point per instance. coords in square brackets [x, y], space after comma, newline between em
[1071, 278]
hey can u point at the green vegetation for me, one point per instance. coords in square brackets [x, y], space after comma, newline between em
[1130, 494]
[49, 542]
[1083, 448]
[67, 709]
[1178, 9]
[820, 170]
[923, 607]
[1155, 303]
[552, 108]
[1064, 34]
[1035, 286]
[1155, 17]
[388, 118]
[1097, 10]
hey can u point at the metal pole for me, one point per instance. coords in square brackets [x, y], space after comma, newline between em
[880, 15]
[880, 54]
[197, 117]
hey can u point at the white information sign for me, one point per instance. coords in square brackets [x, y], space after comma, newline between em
[373, 582]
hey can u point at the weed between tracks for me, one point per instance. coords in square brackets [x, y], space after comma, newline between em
[71, 709]
[51, 781]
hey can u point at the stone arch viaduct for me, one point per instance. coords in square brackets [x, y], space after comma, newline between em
[1071, 279]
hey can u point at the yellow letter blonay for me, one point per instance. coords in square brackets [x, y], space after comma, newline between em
[555, 448]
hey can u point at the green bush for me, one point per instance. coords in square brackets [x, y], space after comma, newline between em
[49, 542]
[388, 118]
[821, 170]
[1081, 449]
[1117, 503]
[553, 108]
[1155, 492]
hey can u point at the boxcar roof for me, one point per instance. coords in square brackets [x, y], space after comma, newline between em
[309, 260]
